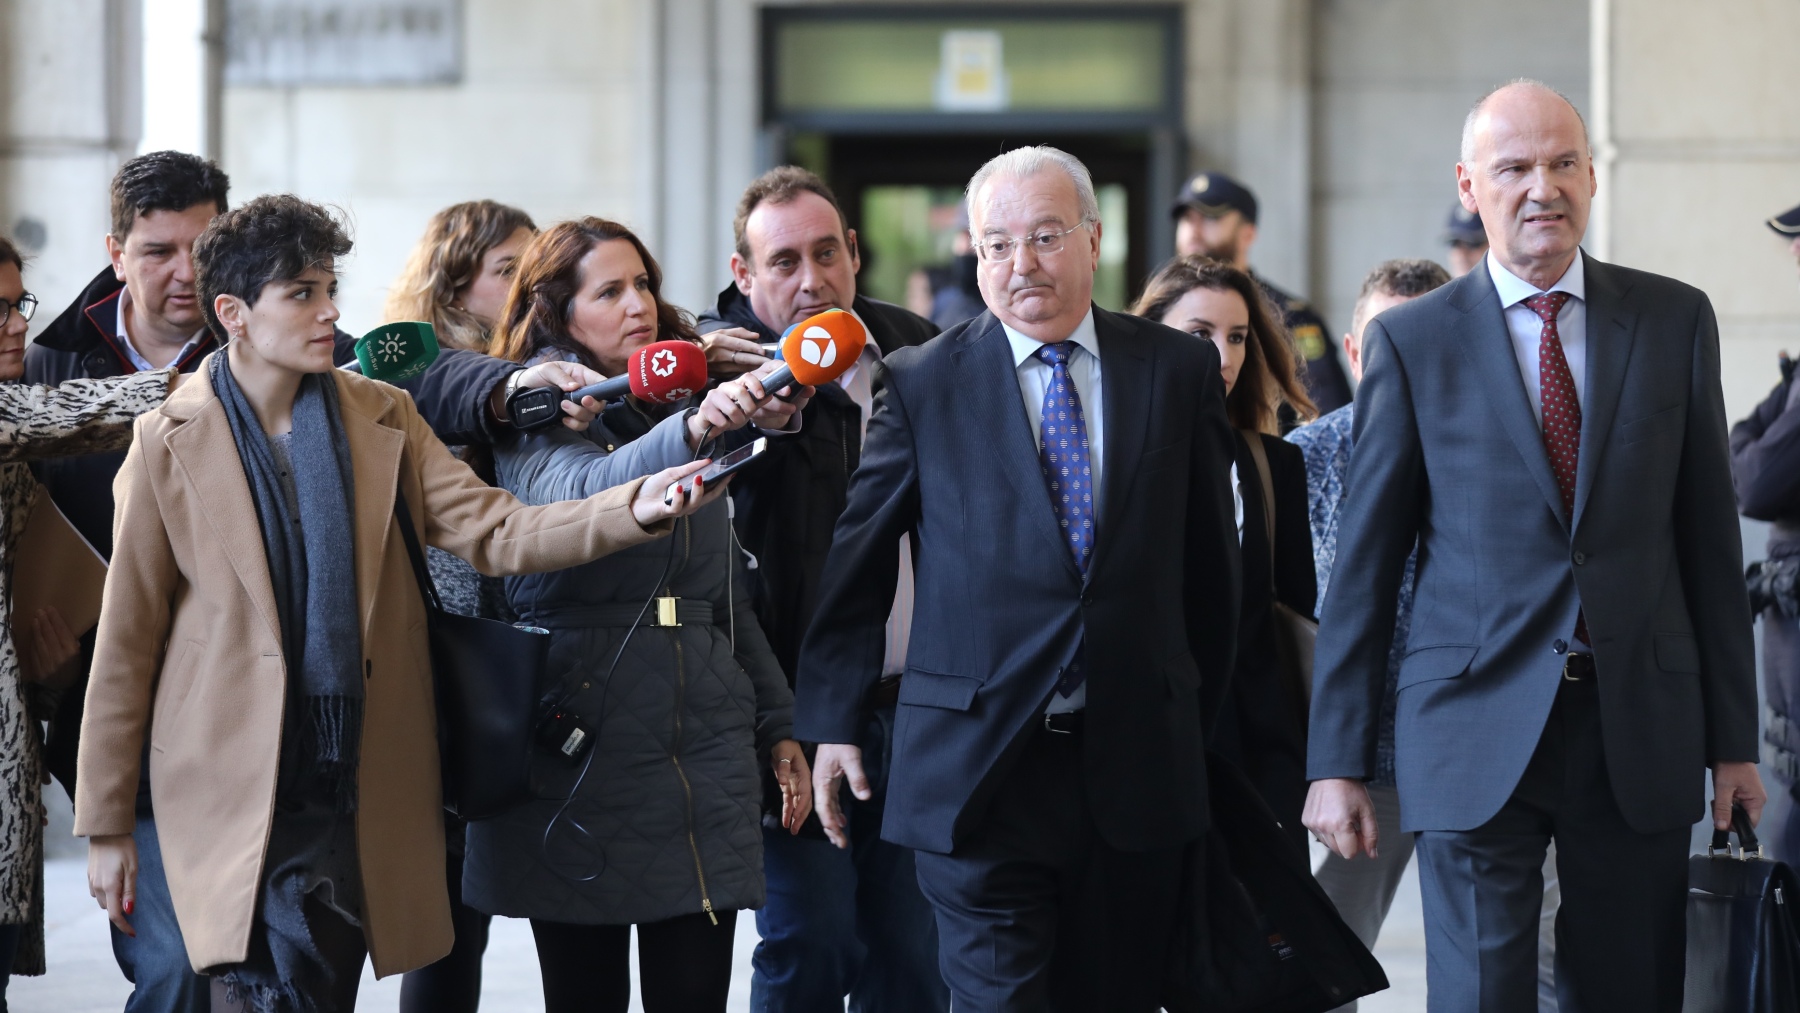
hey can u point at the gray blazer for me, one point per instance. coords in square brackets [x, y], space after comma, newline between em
[1449, 451]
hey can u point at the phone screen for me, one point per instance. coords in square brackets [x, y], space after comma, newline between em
[724, 465]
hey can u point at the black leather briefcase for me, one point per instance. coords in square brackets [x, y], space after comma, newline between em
[1256, 932]
[1743, 935]
[485, 675]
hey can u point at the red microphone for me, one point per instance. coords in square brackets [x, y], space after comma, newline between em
[660, 373]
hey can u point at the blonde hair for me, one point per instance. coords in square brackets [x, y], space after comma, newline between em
[447, 258]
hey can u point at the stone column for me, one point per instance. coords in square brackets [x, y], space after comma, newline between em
[1696, 131]
[69, 113]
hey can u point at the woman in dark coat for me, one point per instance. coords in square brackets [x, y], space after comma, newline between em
[1262, 725]
[656, 657]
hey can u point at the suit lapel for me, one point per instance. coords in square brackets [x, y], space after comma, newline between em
[375, 452]
[208, 457]
[1490, 351]
[1609, 326]
[998, 420]
[1126, 368]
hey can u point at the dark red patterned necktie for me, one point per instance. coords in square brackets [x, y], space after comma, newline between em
[1561, 411]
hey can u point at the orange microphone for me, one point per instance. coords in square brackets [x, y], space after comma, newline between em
[818, 350]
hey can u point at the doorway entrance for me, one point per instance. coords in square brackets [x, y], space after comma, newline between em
[896, 107]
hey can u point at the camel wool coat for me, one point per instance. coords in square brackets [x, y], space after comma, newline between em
[189, 653]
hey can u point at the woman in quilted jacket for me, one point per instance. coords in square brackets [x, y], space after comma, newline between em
[664, 697]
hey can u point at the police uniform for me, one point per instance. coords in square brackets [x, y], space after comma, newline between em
[1213, 194]
[1464, 227]
[1787, 223]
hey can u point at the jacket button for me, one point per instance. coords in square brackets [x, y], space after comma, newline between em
[1560, 647]
[1580, 558]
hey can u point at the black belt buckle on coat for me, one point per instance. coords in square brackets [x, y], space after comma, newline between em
[1064, 722]
[1578, 667]
[885, 694]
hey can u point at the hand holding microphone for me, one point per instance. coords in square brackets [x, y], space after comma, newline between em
[659, 373]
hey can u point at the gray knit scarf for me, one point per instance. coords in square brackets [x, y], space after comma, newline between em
[312, 567]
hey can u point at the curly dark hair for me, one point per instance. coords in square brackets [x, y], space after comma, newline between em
[546, 278]
[276, 237]
[164, 181]
[1269, 373]
[9, 254]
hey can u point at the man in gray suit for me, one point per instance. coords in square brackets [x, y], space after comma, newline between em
[1552, 431]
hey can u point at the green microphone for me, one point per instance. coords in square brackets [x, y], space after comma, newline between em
[397, 351]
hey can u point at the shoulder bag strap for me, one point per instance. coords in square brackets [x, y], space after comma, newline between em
[1261, 457]
[427, 587]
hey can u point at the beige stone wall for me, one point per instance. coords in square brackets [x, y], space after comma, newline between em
[68, 116]
[553, 114]
[1697, 131]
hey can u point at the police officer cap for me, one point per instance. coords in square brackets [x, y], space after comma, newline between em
[1787, 223]
[1214, 193]
[1464, 227]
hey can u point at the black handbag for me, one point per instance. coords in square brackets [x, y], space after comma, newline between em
[1255, 931]
[485, 675]
[1743, 937]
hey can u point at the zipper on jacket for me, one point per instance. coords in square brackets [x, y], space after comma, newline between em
[687, 789]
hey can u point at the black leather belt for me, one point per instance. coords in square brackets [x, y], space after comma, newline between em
[666, 611]
[885, 693]
[1578, 668]
[1065, 722]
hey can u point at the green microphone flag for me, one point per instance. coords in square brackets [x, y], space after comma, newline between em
[397, 351]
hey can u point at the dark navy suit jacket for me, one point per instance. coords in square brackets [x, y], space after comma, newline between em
[1448, 451]
[1000, 606]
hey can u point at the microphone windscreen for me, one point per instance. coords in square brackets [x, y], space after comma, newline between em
[667, 371]
[397, 351]
[822, 347]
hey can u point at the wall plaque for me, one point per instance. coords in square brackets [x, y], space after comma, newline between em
[284, 43]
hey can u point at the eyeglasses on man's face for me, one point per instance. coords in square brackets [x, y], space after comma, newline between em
[26, 305]
[998, 246]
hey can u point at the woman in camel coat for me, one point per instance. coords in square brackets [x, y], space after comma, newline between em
[191, 652]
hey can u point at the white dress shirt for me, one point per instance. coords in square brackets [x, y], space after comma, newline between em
[1526, 327]
[137, 359]
[857, 381]
[1084, 372]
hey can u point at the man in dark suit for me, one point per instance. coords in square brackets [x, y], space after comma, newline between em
[1063, 472]
[1551, 431]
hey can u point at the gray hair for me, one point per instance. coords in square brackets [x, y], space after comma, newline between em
[1023, 163]
[1468, 131]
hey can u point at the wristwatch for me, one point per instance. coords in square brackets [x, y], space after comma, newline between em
[512, 387]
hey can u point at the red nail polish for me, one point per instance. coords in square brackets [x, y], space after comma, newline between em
[129, 904]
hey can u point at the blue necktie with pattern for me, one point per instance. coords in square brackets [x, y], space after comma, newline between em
[1068, 472]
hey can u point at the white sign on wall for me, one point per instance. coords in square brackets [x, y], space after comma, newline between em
[343, 42]
[971, 72]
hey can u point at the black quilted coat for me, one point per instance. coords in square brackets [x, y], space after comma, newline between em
[663, 820]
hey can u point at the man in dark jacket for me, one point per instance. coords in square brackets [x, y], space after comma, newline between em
[836, 923]
[141, 312]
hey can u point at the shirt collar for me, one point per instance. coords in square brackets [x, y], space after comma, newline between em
[137, 357]
[1084, 336]
[1514, 289]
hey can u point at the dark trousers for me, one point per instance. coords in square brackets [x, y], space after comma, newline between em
[847, 922]
[685, 963]
[453, 984]
[155, 961]
[1621, 930]
[1036, 912]
[9, 945]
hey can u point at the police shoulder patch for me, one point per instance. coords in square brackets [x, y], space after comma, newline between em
[1311, 339]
